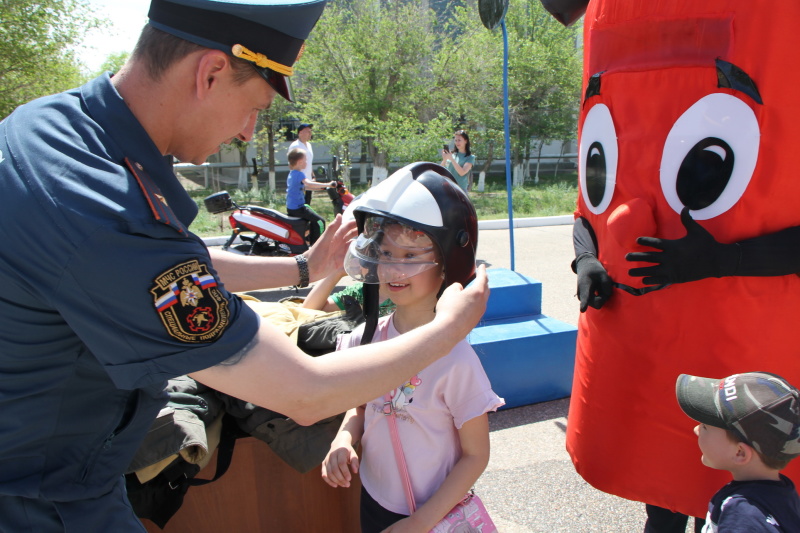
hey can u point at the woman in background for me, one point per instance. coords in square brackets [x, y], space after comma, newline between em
[460, 162]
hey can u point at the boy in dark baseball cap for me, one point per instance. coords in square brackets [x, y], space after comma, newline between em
[750, 426]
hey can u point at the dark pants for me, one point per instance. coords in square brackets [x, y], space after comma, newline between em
[109, 512]
[660, 520]
[316, 224]
[374, 518]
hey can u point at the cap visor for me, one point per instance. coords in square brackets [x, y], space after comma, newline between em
[696, 398]
[279, 82]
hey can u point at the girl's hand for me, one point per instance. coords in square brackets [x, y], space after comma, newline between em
[337, 465]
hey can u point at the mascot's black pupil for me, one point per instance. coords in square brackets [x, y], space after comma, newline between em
[596, 174]
[704, 173]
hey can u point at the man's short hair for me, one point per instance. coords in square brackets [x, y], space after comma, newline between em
[294, 155]
[160, 50]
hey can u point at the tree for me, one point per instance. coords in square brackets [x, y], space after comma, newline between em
[368, 76]
[113, 62]
[544, 79]
[469, 70]
[267, 126]
[400, 80]
[36, 48]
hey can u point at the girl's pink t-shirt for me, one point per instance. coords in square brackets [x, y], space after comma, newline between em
[430, 406]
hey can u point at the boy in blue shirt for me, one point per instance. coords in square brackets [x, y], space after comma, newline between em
[750, 426]
[295, 200]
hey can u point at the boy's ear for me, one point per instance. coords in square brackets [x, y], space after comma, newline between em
[744, 453]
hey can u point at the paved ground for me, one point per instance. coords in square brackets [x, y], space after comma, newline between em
[530, 484]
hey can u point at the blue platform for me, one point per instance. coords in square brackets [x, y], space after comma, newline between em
[528, 356]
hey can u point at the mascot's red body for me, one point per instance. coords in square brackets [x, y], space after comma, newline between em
[657, 94]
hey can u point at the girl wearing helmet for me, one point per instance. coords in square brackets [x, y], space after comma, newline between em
[417, 234]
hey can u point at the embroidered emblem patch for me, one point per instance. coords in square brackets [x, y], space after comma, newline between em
[189, 303]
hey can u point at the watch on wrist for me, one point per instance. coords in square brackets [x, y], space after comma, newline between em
[302, 266]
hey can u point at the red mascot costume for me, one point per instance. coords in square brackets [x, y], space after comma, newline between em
[686, 235]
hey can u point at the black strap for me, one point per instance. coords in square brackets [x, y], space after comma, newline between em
[160, 498]
[371, 310]
[227, 442]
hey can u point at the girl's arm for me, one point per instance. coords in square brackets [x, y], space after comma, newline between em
[474, 437]
[342, 456]
[318, 296]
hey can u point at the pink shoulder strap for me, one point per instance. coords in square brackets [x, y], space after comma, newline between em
[388, 410]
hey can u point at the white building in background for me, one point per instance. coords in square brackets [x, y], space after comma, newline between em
[223, 168]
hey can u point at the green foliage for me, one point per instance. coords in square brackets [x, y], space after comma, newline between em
[401, 78]
[37, 41]
[544, 76]
[544, 79]
[368, 71]
[268, 131]
[113, 62]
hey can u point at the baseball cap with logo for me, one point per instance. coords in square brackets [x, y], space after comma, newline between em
[763, 409]
[268, 33]
[303, 126]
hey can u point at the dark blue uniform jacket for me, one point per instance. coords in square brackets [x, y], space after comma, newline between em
[104, 294]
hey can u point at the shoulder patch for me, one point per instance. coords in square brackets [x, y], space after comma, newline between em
[158, 204]
[189, 303]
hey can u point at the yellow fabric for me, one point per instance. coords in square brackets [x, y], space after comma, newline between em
[261, 60]
[287, 315]
[191, 454]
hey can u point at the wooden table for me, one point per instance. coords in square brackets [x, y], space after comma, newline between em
[261, 494]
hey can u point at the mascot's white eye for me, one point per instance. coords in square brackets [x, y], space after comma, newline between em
[709, 156]
[598, 159]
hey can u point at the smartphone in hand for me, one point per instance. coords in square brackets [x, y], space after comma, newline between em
[445, 148]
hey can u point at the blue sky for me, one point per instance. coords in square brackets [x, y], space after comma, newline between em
[127, 18]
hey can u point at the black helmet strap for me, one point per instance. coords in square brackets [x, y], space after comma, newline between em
[371, 311]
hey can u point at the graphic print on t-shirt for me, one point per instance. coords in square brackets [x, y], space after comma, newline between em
[403, 396]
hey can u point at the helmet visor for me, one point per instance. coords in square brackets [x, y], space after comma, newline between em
[388, 251]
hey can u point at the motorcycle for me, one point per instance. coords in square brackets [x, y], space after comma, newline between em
[340, 196]
[273, 233]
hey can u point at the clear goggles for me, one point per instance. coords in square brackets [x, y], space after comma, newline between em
[388, 251]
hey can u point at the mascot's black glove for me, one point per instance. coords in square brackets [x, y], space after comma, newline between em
[594, 283]
[696, 256]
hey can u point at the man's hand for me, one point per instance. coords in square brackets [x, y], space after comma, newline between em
[594, 284]
[463, 308]
[327, 254]
[693, 257]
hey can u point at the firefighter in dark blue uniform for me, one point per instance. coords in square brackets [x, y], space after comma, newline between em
[105, 294]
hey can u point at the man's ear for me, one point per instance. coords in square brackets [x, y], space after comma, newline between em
[209, 66]
[744, 454]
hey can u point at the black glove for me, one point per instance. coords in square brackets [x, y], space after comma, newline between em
[594, 283]
[696, 256]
